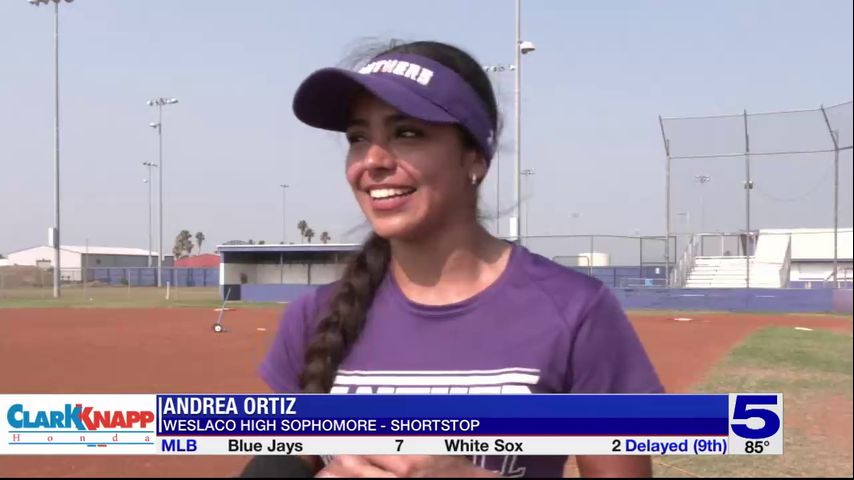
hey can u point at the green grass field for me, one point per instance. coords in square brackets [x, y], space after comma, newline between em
[119, 297]
[813, 371]
[684, 313]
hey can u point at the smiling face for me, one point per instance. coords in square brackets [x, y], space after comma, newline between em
[411, 178]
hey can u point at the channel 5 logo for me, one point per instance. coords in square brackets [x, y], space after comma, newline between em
[755, 416]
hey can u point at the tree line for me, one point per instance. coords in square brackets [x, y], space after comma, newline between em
[184, 245]
[307, 233]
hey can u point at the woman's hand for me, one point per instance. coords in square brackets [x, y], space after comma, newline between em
[403, 466]
[352, 466]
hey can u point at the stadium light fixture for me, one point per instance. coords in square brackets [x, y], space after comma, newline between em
[526, 47]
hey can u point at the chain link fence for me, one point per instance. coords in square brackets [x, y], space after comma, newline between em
[619, 261]
[743, 172]
[19, 282]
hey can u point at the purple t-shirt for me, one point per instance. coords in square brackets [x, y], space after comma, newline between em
[539, 328]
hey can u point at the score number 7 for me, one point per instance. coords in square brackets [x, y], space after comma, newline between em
[399, 444]
[743, 411]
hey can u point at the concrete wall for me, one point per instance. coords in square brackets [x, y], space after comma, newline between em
[276, 274]
[326, 273]
[273, 293]
[817, 271]
[737, 300]
[232, 273]
[843, 300]
[694, 299]
[293, 274]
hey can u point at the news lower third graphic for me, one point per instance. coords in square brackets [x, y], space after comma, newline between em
[79, 424]
[173, 424]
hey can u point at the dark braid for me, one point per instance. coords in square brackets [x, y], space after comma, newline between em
[340, 328]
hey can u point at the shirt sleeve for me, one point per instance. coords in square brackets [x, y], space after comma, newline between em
[282, 366]
[607, 355]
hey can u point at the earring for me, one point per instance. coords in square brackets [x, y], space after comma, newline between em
[474, 179]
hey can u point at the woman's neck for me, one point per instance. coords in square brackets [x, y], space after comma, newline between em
[449, 267]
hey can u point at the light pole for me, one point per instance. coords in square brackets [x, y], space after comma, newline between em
[527, 173]
[284, 187]
[55, 231]
[703, 180]
[148, 181]
[521, 49]
[494, 69]
[159, 102]
[686, 220]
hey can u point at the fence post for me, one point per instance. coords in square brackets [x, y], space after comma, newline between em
[642, 274]
[666, 201]
[834, 137]
[590, 257]
[748, 186]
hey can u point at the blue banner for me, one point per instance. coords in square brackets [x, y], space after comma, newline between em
[447, 406]
[662, 414]
[446, 427]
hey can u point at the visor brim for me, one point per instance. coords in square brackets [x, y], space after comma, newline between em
[324, 99]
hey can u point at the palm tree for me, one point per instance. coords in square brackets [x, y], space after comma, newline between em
[200, 238]
[309, 233]
[324, 237]
[302, 226]
[183, 243]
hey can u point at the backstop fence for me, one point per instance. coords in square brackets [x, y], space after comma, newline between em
[741, 172]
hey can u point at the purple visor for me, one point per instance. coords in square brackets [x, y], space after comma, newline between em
[417, 86]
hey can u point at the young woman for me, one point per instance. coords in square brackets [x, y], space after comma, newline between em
[433, 303]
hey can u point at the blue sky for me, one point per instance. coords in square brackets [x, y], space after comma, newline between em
[602, 73]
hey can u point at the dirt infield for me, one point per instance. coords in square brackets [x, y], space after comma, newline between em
[175, 350]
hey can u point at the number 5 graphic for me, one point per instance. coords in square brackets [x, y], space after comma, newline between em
[743, 410]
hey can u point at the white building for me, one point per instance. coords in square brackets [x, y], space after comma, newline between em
[782, 258]
[73, 259]
[270, 272]
[812, 254]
